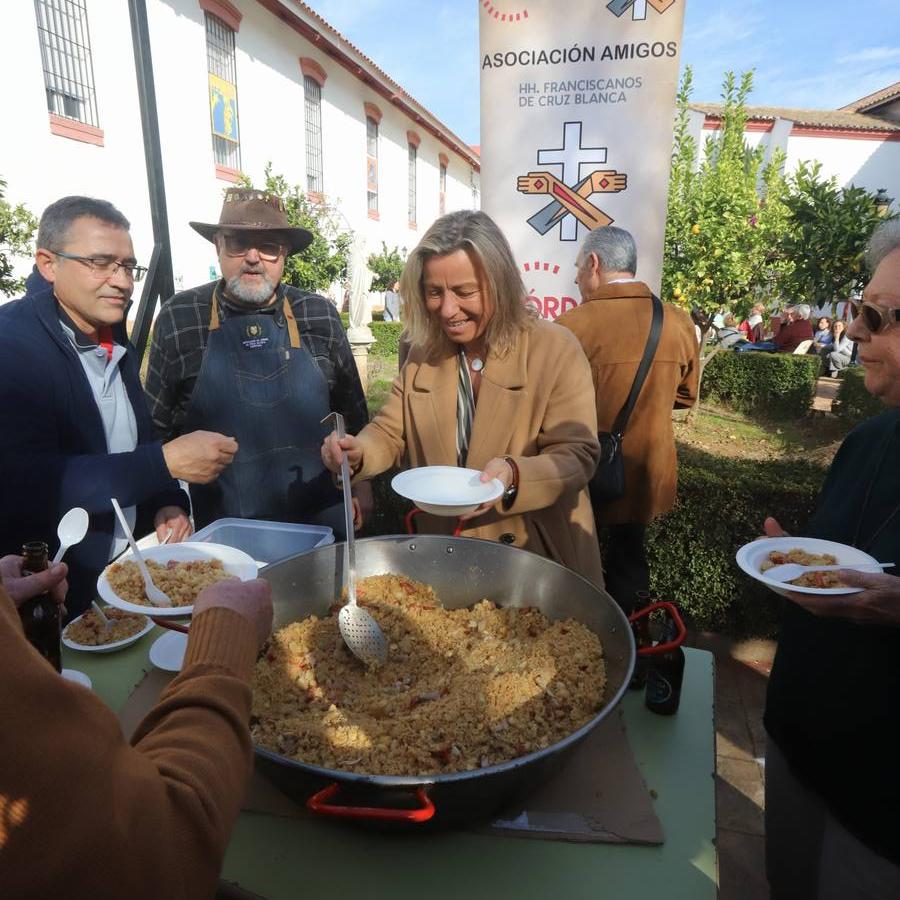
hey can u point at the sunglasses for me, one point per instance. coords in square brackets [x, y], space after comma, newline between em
[875, 318]
[240, 245]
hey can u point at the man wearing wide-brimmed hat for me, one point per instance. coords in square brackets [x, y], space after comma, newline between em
[260, 360]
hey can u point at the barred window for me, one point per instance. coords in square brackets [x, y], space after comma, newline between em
[66, 57]
[312, 105]
[412, 184]
[372, 164]
[222, 78]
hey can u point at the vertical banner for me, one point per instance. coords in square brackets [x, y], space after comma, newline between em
[577, 114]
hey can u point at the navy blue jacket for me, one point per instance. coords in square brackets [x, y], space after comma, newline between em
[53, 451]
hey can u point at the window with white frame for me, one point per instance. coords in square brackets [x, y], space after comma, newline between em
[312, 107]
[411, 201]
[372, 164]
[66, 58]
[222, 77]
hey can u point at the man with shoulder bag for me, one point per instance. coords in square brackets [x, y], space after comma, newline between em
[644, 360]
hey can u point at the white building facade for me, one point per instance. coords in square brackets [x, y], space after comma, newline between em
[239, 84]
[858, 144]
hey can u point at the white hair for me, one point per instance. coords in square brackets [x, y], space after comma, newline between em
[615, 248]
[885, 239]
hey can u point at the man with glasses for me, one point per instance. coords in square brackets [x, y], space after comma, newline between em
[74, 425]
[263, 361]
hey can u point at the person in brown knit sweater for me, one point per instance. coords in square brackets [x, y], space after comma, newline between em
[85, 814]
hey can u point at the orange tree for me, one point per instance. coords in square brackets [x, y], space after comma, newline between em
[726, 215]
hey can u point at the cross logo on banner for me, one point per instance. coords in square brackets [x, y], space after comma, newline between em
[571, 192]
[638, 7]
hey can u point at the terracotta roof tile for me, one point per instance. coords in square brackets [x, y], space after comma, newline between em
[813, 118]
[870, 101]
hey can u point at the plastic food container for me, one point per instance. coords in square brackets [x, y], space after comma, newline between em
[266, 542]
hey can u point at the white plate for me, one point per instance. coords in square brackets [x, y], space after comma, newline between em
[446, 490]
[751, 556]
[236, 563]
[167, 652]
[77, 677]
[105, 648]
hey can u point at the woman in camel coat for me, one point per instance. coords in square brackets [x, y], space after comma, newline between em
[488, 387]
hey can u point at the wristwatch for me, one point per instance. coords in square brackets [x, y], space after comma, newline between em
[510, 494]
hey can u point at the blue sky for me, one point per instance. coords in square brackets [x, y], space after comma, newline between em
[815, 54]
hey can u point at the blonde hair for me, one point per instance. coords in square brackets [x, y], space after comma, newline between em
[501, 284]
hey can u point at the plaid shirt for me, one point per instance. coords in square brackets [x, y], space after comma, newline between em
[179, 342]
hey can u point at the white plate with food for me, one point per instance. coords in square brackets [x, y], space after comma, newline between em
[446, 490]
[758, 556]
[180, 570]
[167, 652]
[88, 634]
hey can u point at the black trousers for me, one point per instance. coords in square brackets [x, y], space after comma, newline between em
[626, 569]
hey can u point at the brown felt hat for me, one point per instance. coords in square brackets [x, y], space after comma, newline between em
[249, 210]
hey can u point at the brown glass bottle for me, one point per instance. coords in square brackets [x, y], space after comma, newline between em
[40, 615]
[665, 674]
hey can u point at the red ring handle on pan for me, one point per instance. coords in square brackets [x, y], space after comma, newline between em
[318, 803]
[408, 521]
[672, 610]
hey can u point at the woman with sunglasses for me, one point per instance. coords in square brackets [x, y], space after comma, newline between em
[832, 791]
[840, 352]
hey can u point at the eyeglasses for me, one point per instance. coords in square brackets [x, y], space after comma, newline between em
[874, 317]
[106, 266]
[240, 245]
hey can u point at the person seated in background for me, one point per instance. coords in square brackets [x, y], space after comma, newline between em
[752, 327]
[795, 330]
[729, 334]
[145, 819]
[822, 338]
[839, 354]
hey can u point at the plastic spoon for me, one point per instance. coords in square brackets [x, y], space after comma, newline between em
[154, 594]
[71, 530]
[101, 615]
[361, 633]
[790, 571]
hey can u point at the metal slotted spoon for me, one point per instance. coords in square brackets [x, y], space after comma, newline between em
[361, 633]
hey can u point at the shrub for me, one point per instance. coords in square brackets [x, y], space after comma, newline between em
[778, 384]
[386, 334]
[721, 506]
[853, 402]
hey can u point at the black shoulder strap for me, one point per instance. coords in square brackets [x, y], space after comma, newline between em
[649, 352]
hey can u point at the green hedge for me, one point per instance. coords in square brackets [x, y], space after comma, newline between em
[721, 505]
[386, 334]
[853, 402]
[777, 384]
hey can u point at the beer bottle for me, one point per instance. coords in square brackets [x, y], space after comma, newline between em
[41, 615]
[641, 630]
[665, 673]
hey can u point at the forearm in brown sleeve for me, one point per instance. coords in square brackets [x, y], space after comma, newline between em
[85, 815]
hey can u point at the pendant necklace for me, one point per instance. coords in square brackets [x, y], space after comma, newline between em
[477, 364]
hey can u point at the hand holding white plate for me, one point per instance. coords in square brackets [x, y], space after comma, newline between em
[235, 562]
[446, 490]
[750, 559]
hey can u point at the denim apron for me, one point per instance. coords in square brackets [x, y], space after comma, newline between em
[260, 385]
